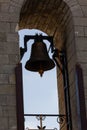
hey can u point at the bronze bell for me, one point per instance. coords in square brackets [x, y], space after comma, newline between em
[39, 60]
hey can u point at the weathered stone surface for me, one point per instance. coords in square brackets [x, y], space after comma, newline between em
[79, 31]
[3, 78]
[13, 27]
[76, 10]
[4, 7]
[7, 69]
[12, 37]
[9, 47]
[85, 28]
[12, 100]
[9, 17]
[82, 56]
[7, 100]
[3, 99]
[81, 44]
[84, 68]
[4, 59]
[11, 79]
[3, 37]
[71, 62]
[7, 89]
[1, 113]
[8, 111]
[4, 27]
[75, 114]
[84, 9]
[12, 123]
[4, 123]
[80, 21]
[71, 50]
[13, 59]
[1, 1]
[82, 2]
[54, 18]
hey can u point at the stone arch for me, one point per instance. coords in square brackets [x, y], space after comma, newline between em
[56, 18]
[62, 15]
[39, 17]
[69, 28]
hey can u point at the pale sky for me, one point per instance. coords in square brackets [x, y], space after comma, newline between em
[40, 93]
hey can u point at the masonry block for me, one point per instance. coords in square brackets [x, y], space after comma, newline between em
[3, 37]
[14, 59]
[80, 21]
[4, 59]
[4, 27]
[4, 123]
[3, 78]
[82, 2]
[84, 9]
[81, 44]
[79, 31]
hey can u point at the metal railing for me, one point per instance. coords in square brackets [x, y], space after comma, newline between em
[61, 119]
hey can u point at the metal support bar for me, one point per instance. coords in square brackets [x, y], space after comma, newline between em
[61, 119]
[60, 115]
[37, 38]
[64, 70]
[66, 91]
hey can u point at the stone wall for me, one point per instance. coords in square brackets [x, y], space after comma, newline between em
[81, 39]
[68, 21]
[76, 53]
[9, 57]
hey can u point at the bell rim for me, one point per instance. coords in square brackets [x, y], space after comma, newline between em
[30, 67]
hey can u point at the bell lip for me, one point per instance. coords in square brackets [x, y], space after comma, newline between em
[30, 67]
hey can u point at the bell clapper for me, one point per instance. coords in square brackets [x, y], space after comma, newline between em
[41, 72]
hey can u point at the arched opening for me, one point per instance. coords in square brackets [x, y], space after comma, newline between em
[54, 18]
[40, 94]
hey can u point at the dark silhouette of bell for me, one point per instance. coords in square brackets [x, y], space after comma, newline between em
[39, 60]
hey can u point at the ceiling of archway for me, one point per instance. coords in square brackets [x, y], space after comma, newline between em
[48, 16]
